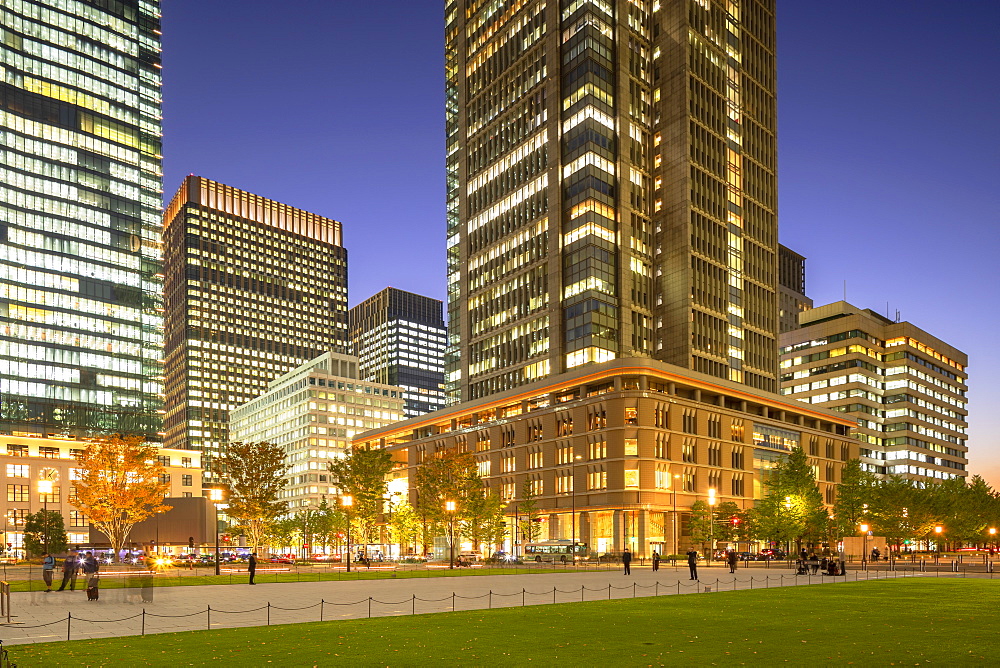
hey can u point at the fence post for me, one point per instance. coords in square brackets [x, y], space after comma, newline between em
[678, 586]
[553, 594]
[321, 603]
[609, 590]
[209, 627]
[268, 613]
[522, 597]
[633, 590]
[453, 601]
[491, 599]
[69, 617]
[656, 590]
[413, 611]
[143, 622]
[581, 593]
[369, 607]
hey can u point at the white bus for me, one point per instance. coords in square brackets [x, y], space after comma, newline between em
[554, 551]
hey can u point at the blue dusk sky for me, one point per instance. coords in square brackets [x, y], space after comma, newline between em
[889, 156]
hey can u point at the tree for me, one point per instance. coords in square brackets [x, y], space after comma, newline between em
[120, 483]
[725, 527]
[855, 496]
[700, 523]
[404, 525]
[38, 525]
[531, 525]
[362, 475]
[482, 517]
[255, 477]
[449, 476]
[792, 508]
[900, 510]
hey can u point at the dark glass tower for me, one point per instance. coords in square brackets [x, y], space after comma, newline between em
[254, 288]
[399, 338]
[80, 267]
[610, 188]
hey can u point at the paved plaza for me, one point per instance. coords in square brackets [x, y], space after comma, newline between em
[41, 617]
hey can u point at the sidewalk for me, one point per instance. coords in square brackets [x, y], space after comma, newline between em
[41, 617]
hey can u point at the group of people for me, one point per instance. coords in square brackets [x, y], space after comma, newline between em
[809, 563]
[72, 565]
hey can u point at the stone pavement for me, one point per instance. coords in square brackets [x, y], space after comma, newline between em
[41, 617]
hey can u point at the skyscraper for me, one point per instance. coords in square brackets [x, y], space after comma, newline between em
[905, 387]
[611, 188]
[254, 288]
[399, 338]
[80, 266]
[792, 299]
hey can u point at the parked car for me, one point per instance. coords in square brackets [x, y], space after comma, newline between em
[747, 556]
[771, 555]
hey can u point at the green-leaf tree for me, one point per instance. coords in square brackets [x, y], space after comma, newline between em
[792, 509]
[404, 525]
[855, 496]
[120, 483]
[700, 523]
[362, 476]
[725, 528]
[531, 526]
[255, 477]
[45, 526]
[448, 476]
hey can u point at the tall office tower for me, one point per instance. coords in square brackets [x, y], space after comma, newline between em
[399, 338]
[905, 387]
[80, 285]
[792, 298]
[610, 188]
[254, 288]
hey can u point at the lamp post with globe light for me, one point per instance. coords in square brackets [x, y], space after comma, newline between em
[864, 550]
[449, 507]
[215, 496]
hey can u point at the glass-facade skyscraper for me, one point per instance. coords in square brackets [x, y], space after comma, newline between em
[611, 188]
[80, 201]
[399, 338]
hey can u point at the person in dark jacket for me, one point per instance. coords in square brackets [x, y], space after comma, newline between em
[692, 556]
[252, 567]
[627, 561]
[733, 560]
[656, 561]
[71, 566]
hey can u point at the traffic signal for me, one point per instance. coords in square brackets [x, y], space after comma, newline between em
[736, 521]
[191, 541]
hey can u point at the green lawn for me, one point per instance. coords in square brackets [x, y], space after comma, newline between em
[888, 622]
[118, 581]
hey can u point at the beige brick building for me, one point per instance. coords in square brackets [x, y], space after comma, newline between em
[26, 460]
[633, 442]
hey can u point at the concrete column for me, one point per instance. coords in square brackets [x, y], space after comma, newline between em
[617, 531]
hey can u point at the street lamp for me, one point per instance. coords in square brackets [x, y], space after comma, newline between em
[45, 489]
[449, 507]
[711, 524]
[937, 530]
[864, 550]
[216, 497]
[572, 489]
[673, 520]
[348, 501]
[993, 539]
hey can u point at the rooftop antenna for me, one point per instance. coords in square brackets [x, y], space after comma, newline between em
[845, 290]
[897, 315]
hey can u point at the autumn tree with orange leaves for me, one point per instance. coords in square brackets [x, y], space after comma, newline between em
[120, 484]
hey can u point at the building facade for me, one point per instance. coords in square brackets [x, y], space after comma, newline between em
[26, 460]
[617, 453]
[254, 288]
[905, 388]
[792, 299]
[610, 189]
[80, 249]
[313, 412]
[399, 338]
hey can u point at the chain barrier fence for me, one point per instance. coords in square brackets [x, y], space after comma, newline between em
[539, 598]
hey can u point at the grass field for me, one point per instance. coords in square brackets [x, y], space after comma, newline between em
[161, 580]
[889, 622]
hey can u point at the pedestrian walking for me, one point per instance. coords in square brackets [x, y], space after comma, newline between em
[90, 567]
[252, 567]
[692, 556]
[627, 561]
[656, 561]
[733, 560]
[48, 568]
[70, 568]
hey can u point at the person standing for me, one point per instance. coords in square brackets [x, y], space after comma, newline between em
[90, 567]
[71, 566]
[692, 556]
[656, 561]
[252, 567]
[48, 568]
[733, 560]
[627, 561]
